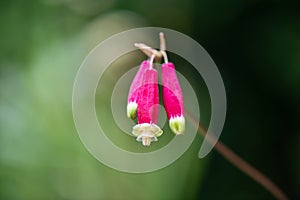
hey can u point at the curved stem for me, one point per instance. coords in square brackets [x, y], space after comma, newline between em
[151, 61]
[149, 51]
[163, 47]
[162, 41]
[165, 56]
[239, 162]
[221, 148]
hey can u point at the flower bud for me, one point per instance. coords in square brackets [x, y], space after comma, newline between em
[148, 106]
[132, 103]
[173, 98]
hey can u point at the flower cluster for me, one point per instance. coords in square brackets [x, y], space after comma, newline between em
[143, 97]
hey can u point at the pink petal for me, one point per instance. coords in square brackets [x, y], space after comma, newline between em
[134, 90]
[172, 94]
[146, 130]
[148, 98]
[173, 99]
[137, 82]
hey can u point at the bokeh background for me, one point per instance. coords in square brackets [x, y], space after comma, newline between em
[255, 44]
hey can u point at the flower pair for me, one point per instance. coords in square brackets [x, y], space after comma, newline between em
[143, 99]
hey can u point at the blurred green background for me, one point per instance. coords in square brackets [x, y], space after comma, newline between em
[255, 44]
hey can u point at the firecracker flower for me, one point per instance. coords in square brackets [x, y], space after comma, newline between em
[146, 130]
[173, 98]
[132, 103]
[143, 98]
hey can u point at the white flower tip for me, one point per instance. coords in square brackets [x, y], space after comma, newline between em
[136, 44]
[146, 133]
[177, 125]
[132, 110]
[146, 141]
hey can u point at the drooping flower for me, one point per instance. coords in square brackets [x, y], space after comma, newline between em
[148, 106]
[132, 103]
[173, 98]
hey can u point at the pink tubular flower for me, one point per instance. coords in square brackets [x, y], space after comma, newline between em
[173, 98]
[148, 99]
[133, 95]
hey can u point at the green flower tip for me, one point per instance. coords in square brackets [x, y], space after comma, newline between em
[132, 110]
[177, 125]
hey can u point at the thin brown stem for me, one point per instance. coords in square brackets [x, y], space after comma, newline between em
[239, 162]
[163, 47]
[162, 42]
[149, 51]
[221, 148]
